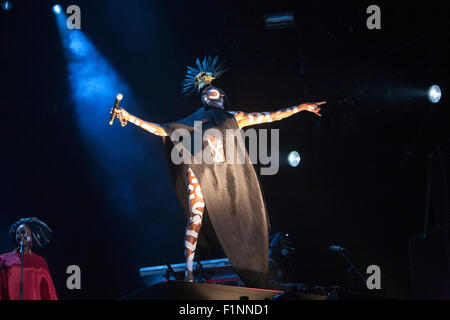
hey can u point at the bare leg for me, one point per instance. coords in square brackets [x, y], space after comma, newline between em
[196, 209]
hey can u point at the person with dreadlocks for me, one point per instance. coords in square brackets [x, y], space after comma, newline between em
[37, 282]
[230, 193]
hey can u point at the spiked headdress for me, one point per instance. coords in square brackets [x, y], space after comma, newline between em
[197, 78]
[40, 231]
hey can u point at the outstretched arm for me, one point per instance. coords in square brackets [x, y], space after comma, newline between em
[125, 117]
[247, 119]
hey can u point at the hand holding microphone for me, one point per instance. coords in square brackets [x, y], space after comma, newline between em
[118, 111]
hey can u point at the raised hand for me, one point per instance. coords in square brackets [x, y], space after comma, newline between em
[312, 107]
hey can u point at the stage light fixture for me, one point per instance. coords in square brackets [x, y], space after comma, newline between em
[434, 94]
[294, 158]
[6, 5]
[57, 9]
[279, 20]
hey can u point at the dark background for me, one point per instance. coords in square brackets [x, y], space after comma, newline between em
[361, 183]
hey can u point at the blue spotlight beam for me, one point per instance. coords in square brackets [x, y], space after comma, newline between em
[117, 153]
[6, 5]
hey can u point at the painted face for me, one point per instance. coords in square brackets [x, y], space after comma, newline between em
[214, 97]
[28, 240]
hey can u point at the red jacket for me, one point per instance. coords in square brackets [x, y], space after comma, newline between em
[37, 282]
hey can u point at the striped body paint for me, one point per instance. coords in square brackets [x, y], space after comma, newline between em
[196, 209]
[247, 119]
[243, 119]
[216, 146]
[148, 126]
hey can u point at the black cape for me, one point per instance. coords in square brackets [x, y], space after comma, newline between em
[233, 198]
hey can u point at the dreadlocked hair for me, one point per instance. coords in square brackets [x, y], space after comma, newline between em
[40, 231]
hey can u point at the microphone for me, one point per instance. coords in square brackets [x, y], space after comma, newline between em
[336, 248]
[119, 98]
[21, 233]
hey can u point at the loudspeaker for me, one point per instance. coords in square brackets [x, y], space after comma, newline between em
[430, 264]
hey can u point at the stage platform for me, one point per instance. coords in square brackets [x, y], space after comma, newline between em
[181, 290]
[216, 280]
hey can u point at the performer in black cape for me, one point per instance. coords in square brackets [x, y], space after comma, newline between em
[230, 193]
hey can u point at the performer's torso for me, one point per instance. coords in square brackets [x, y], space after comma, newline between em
[37, 282]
